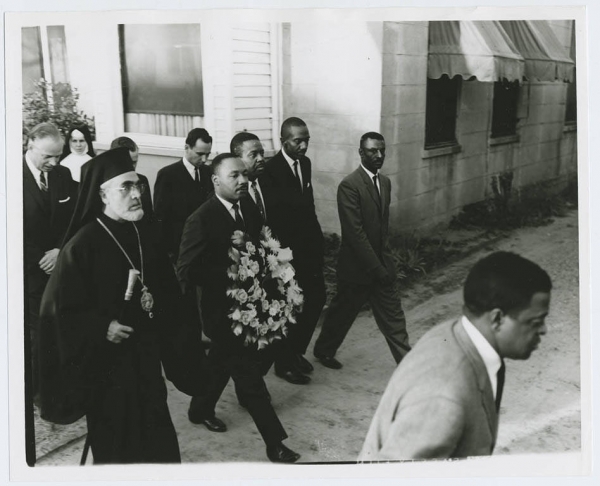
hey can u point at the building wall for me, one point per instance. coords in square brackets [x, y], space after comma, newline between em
[332, 79]
[430, 186]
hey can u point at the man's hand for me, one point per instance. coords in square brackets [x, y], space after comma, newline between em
[117, 332]
[48, 261]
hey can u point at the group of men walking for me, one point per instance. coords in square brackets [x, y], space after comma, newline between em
[113, 292]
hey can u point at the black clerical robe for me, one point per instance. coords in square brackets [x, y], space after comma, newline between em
[119, 387]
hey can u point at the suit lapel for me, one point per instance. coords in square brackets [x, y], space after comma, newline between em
[287, 173]
[30, 185]
[483, 380]
[371, 188]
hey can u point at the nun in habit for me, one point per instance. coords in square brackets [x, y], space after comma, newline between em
[110, 317]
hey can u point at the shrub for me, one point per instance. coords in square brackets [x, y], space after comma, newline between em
[62, 112]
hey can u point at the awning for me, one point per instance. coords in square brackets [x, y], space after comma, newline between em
[473, 48]
[545, 58]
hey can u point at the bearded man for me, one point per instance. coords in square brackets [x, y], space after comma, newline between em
[105, 335]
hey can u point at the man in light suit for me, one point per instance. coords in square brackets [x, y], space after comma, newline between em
[365, 268]
[48, 202]
[288, 192]
[203, 261]
[443, 399]
[181, 188]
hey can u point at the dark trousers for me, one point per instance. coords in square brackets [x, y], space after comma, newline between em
[345, 306]
[244, 366]
[301, 333]
[31, 331]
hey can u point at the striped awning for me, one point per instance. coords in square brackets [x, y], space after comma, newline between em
[545, 58]
[480, 49]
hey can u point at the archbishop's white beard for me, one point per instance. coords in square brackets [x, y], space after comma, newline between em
[134, 215]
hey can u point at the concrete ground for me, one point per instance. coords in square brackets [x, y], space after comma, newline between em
[327, 420]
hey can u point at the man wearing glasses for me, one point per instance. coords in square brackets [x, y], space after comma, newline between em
[365, 269]
[110, 318]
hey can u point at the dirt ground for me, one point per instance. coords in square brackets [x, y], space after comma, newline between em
[327, 420]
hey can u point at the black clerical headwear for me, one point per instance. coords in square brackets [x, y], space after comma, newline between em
[94, 173]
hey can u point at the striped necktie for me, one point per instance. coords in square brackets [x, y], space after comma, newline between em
[43, 183]
[259, 201]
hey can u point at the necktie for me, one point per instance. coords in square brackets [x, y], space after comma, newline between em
[297, 175]
[239, 222]
[197, 175]
[43, 184]
[376, 186]
[259, 201]
[500, 386]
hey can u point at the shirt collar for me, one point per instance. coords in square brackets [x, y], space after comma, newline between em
[288, 158]
[190, 168]
[34, 170]
[227, 204]
[371, 175]
[488, 354]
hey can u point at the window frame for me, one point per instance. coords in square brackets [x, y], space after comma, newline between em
[453, 89]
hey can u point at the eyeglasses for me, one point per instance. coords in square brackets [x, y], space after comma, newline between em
[126, 188]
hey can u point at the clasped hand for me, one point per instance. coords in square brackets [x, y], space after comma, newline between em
[117, 332]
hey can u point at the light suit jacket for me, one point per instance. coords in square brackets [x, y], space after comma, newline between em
[438, 404]
[365, 253]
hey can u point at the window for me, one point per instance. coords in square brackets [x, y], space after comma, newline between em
[571, 110]
[44, 55]
[161, 72]
[32, 65]
[441, 106]
[504, 110]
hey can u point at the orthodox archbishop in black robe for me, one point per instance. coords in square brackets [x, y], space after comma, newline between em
[118, 385]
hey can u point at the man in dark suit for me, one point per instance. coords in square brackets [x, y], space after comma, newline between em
[444, 398]
[203, 261]
[181, 188]
[48, 203]
[134, 152]
[290, 205]
[365, 268]
[250, 151]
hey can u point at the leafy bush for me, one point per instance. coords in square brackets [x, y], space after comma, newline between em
[62, 112]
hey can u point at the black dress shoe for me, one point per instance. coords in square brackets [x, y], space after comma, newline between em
[329, 362]
[211, 423]
[280, 453]
[304, 366]
[292, 376]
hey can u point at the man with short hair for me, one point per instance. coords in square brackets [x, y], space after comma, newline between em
[444, 398]
[49, 195]
[111, 317]
[365, 269]
[248, 148]
[203, 261]
[290, 206]
[134, 152]
[181, 188]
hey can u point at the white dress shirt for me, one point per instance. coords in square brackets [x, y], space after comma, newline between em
[291, 162]
[191, 169]
[229, 207]
[488, 354]
[36, 172]
[371, 175]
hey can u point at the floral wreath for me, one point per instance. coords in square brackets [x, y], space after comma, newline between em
[265, 296]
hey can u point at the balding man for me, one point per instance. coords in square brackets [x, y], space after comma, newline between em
[48, 201]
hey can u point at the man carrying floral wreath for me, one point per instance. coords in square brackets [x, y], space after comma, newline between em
[228, 226]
